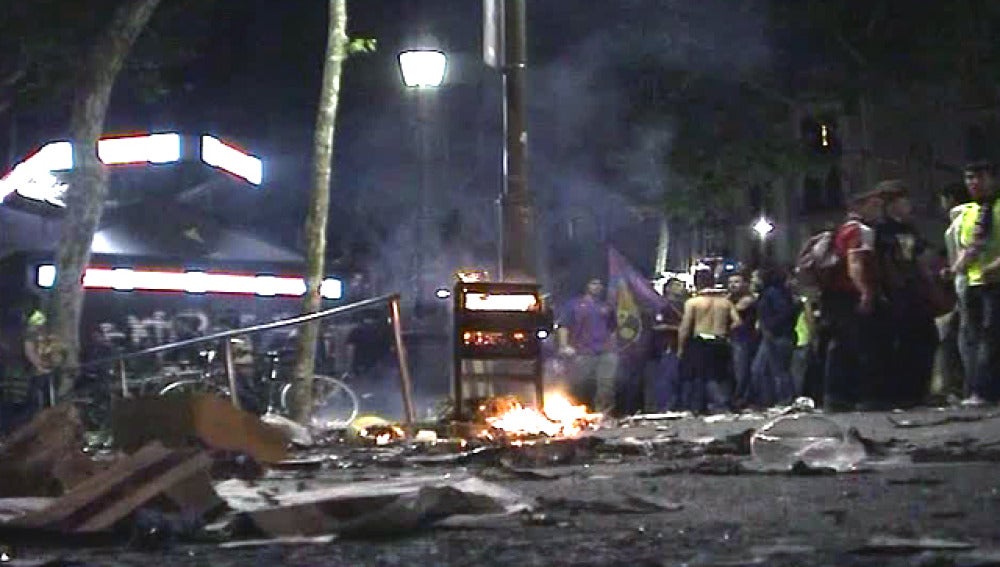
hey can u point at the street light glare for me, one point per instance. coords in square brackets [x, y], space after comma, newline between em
[763, 227]
[422, 68]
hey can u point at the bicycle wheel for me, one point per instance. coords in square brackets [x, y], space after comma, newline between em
[335, 405]
[193, 387]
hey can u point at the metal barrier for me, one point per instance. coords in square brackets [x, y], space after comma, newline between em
[392, 300]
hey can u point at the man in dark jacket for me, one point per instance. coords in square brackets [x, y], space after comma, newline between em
[899, 248]
[777, 312]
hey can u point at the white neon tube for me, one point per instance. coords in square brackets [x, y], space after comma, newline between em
[217, 154]
[501, 302]
[194, 282]
[154, 148]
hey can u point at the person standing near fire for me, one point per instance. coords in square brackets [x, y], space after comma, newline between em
[586, 340]
[704, 348]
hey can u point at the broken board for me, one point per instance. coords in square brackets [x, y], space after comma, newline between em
[176, 421]
[103, 500]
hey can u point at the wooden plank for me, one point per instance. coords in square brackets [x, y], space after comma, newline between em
[110, 497]
[180, 421]
[95, 488]
[43, 457]
[120, 508]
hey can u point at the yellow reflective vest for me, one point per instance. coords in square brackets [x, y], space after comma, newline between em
[990, 251]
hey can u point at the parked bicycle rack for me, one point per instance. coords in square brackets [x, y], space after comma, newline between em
[393, 301]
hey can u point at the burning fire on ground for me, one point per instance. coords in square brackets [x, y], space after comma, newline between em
[508, 417]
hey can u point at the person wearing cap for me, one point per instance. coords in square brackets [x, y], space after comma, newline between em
[849, 307]
[979, 261]
[911, 330]
[22, 357]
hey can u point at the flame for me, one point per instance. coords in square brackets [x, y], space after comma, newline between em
[561, 418]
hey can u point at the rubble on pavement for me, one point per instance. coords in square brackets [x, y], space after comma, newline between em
[220, 475]
[45, 456]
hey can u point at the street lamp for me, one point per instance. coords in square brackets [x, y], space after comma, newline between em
[422, 68]
[763, 227]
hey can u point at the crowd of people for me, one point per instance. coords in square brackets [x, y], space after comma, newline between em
[873, 316]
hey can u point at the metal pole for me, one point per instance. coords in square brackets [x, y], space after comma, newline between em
[404, 364]
[519, 259]
[458, 379]
[227, 357]
[423, 212]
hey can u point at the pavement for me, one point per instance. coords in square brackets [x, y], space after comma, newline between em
[673, 492]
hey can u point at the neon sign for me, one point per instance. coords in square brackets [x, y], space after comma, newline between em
[194, 282]
[154, 148]
[217, 154]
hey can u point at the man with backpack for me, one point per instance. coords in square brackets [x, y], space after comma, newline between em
[841, 263]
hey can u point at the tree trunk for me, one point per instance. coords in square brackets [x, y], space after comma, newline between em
[88, 185]
[316, 218]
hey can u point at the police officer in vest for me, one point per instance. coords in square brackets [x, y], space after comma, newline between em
[979, 260]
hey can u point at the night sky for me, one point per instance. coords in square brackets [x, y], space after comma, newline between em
[255, 80]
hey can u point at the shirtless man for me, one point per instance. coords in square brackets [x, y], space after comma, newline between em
[703, 346]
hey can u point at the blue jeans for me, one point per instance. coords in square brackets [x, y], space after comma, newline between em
[984, 327]
[743, 356]
[771, 371]
[667, 383]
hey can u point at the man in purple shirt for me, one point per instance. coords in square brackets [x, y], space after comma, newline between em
[586, 339]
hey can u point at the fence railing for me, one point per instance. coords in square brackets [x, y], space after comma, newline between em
[392, 300]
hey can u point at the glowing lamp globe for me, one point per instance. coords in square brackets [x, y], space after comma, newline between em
[763, 227]
[422, 68]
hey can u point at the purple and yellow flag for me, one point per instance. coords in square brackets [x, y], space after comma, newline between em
[636, 303]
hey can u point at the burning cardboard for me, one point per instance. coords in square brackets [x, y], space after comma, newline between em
[508, 418]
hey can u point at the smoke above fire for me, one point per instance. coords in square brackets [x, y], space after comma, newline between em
[419, 184]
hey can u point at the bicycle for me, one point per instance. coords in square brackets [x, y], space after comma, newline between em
[335, 404]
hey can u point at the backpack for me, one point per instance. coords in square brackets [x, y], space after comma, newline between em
[818, 262]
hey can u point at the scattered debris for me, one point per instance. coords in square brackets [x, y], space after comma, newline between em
[900, 545]
[666, 416]
[629, 504]
[45, 457]
[954, 418]
[815, 441]
[426, 436]
[378, 508]
[295, 432]
[962, 450]
[11, 508]
[652, 503]
[178, 477]
[177, 420]
[915, 481]
[314, 540]
[737, 444]
[801, 468]
[838, 515]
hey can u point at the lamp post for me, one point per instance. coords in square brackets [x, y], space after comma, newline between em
[505, 49]
[422, 71]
